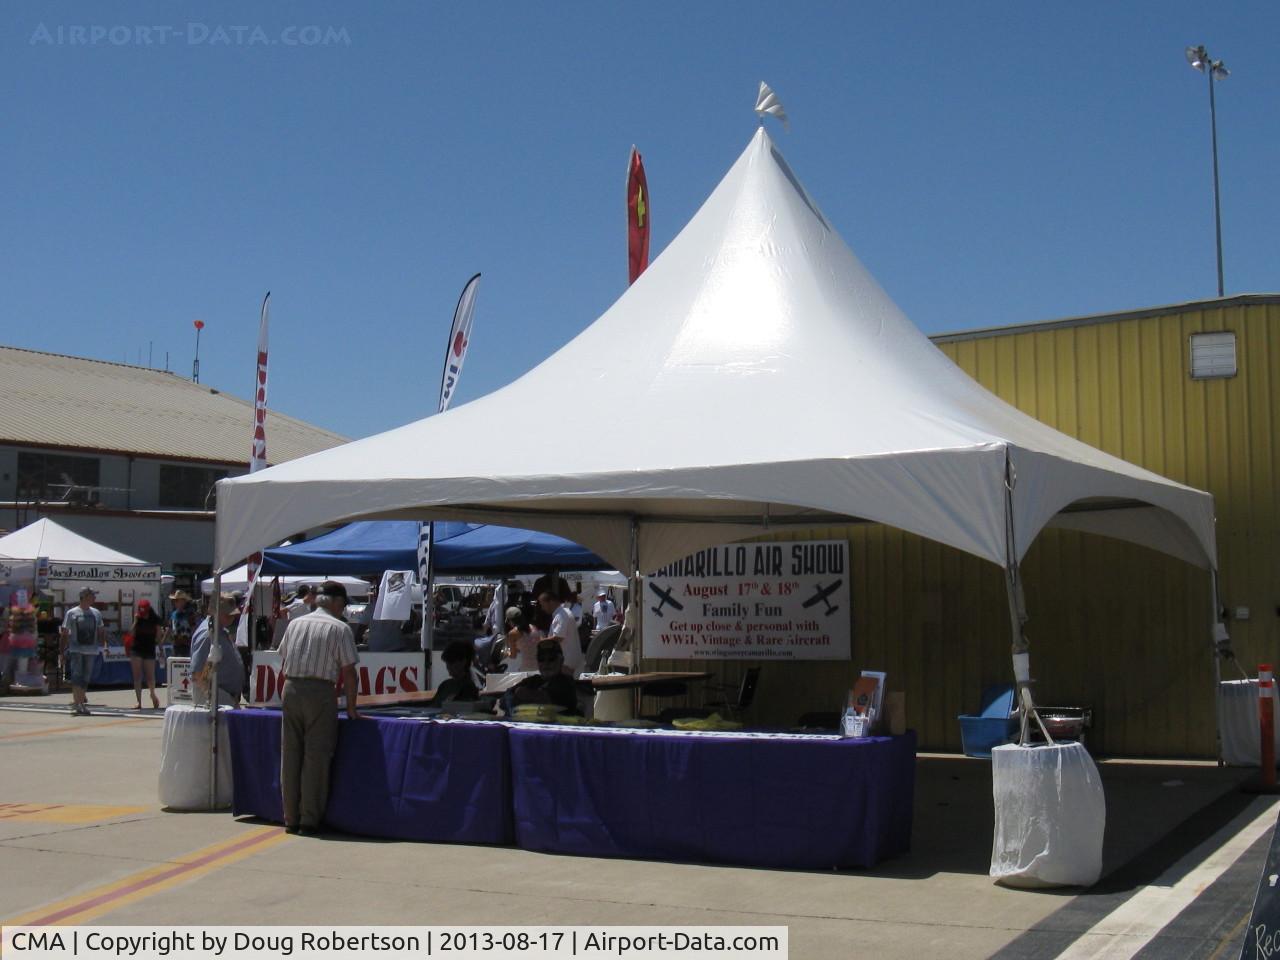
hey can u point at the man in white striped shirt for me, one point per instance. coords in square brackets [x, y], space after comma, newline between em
[316, 648]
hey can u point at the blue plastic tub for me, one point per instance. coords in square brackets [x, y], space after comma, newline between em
[993, 724]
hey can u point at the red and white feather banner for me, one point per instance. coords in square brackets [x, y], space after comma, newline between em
[455, 353]
[459, 340]
[257, 458]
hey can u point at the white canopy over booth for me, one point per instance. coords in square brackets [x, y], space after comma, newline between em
[757, 377]
[76, 561]
[46, 538]
[238, 579]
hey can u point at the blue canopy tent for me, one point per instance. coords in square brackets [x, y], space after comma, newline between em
[370, 546]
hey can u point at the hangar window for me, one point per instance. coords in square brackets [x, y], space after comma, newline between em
[188, 488]
[57, 477]
[1213, 355]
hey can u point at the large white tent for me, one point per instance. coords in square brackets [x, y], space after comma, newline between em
[758, 377]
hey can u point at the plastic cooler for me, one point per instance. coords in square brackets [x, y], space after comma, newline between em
[992, 725]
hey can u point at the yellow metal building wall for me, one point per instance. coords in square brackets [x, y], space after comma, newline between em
[1113, 626]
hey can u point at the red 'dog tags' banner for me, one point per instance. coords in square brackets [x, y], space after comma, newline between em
[377, 673]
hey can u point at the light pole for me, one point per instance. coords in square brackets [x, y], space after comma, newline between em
[1213, 70]
[195, 364]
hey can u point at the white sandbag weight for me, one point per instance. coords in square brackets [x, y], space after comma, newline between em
[1050, 816]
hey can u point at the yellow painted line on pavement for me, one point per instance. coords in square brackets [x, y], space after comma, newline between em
[63, 812]
[78, 726]
[91, 904]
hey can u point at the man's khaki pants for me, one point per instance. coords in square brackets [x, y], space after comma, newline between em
[308, 738]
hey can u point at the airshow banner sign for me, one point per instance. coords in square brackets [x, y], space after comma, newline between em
[751, 601]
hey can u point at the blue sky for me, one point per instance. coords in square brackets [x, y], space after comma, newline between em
[990, 162]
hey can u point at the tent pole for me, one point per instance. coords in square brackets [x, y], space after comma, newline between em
[1021, 655]
[215, 656]
[1220, 646]
[637, 640]
[1020, 650]
[428, 602]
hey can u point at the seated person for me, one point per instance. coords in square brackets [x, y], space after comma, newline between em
[457, 658]
[553, 683]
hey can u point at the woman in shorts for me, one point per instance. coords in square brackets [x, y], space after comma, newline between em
[142, 655]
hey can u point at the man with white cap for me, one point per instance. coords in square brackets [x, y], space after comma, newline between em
[603, 610]
[298, 606]
[82, 635]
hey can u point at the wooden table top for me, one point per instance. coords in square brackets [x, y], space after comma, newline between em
[623, 680]
[417, 698]
[620, 681]
[498, 683]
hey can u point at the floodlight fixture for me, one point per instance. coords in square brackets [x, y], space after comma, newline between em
[1213, 70]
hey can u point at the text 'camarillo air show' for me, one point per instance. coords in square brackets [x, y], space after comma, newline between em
[747, 601]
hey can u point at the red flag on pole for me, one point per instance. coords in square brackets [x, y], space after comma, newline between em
[637, 217]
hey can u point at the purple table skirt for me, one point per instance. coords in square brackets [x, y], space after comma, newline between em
[402, 779]
[794, 803]
[118, 673]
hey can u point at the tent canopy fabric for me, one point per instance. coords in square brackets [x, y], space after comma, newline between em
[374, 545]
[363, 547]
[758, 378]
[45, 538]
[238, 579]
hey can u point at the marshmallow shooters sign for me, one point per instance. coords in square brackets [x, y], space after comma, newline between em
[751, 601]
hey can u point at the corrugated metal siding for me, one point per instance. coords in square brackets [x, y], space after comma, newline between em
[1113, 626]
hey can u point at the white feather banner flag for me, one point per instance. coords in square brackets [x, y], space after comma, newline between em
[768, 104]
[455, 353]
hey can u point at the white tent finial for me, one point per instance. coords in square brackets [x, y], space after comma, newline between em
[767, 103]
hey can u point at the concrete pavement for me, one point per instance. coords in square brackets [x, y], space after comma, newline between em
[95, 832]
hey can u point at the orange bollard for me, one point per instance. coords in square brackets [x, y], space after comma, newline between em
[1267, 724]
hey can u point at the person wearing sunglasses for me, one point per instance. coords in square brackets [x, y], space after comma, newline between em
[552, 683]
